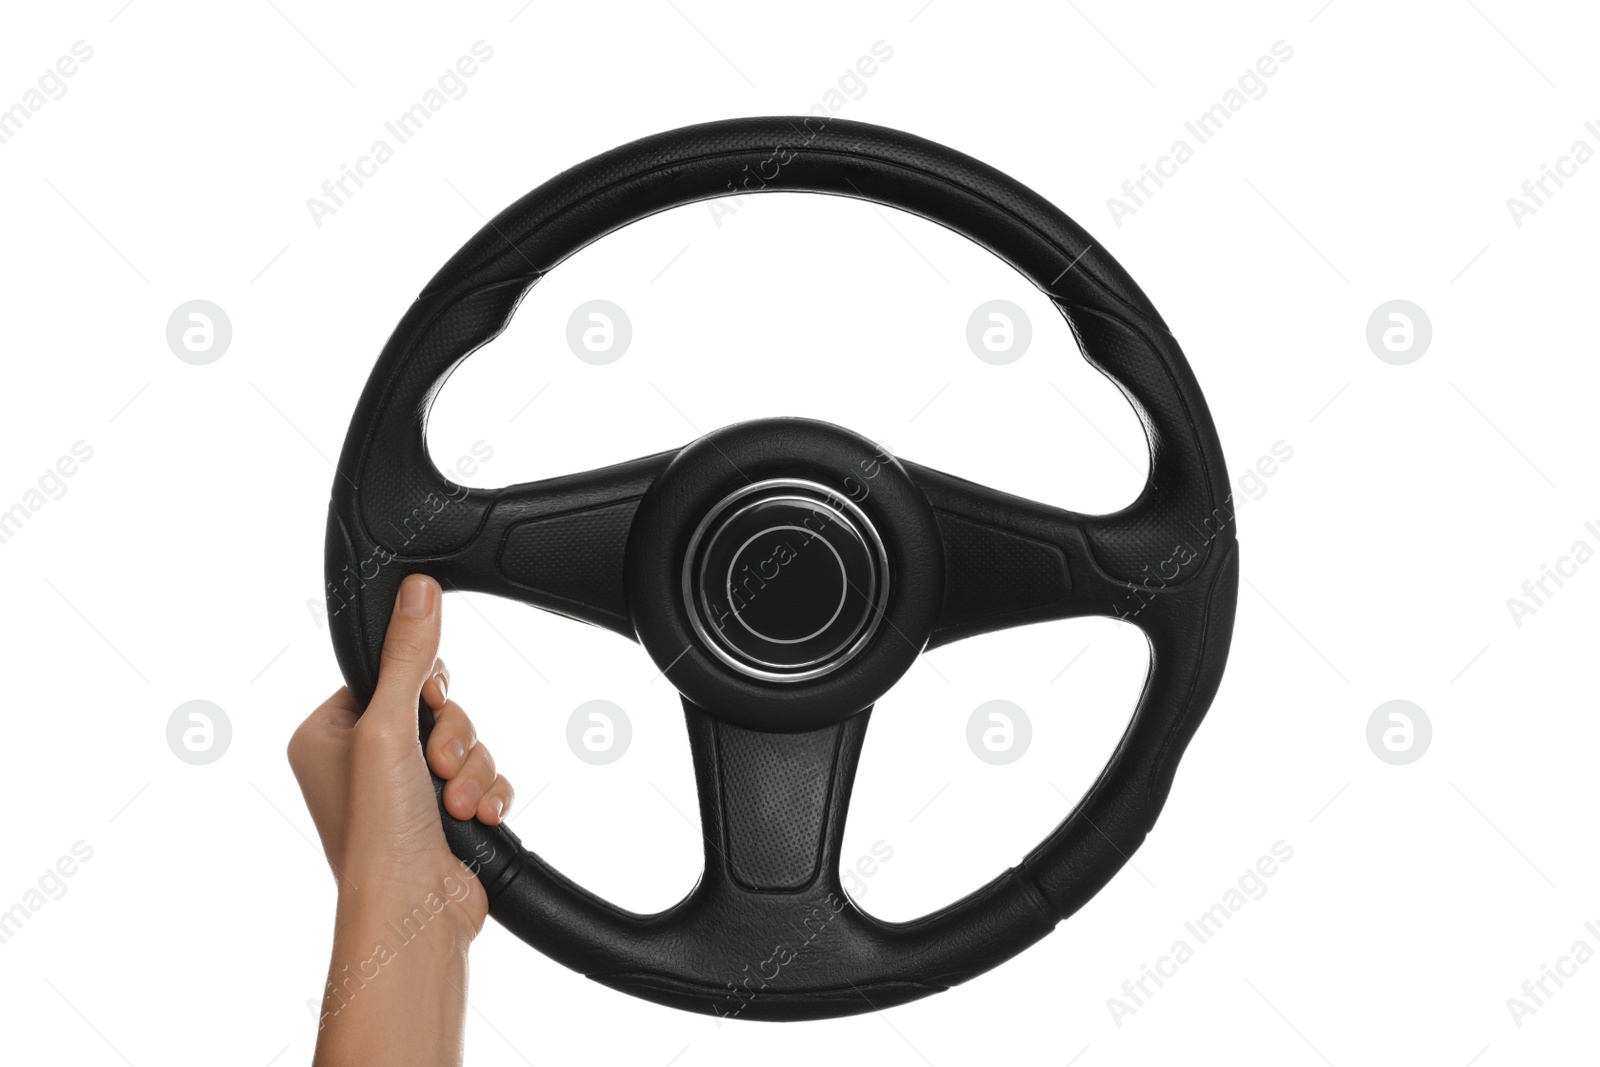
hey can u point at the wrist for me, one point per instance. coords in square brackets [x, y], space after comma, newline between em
[397, 981]
[439, 913]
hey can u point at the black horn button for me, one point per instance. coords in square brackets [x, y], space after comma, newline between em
[785, 580]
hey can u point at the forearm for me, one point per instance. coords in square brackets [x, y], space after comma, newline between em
[396, 991]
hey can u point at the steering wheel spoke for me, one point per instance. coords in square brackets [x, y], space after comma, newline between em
[559, 544]
[773, 805]
[1011, 561]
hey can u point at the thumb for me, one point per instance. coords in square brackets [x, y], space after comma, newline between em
[410, 649]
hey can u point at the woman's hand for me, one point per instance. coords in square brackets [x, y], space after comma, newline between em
[408, 908]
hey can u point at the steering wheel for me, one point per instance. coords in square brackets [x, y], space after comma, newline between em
[784, 573]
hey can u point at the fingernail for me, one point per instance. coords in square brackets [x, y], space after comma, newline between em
[499, 807]
[444, 685]
[416, 596]
[457, 752]
[469, 793]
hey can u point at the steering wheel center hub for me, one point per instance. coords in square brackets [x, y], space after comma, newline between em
[785, 580]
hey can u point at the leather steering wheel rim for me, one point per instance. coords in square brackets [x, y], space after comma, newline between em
[769, 933]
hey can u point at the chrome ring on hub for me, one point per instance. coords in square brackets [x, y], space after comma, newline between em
[860, 550]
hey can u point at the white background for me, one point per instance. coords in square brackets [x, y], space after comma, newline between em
[1377, 561]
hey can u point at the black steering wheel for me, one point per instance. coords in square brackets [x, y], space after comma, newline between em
[784, 573]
